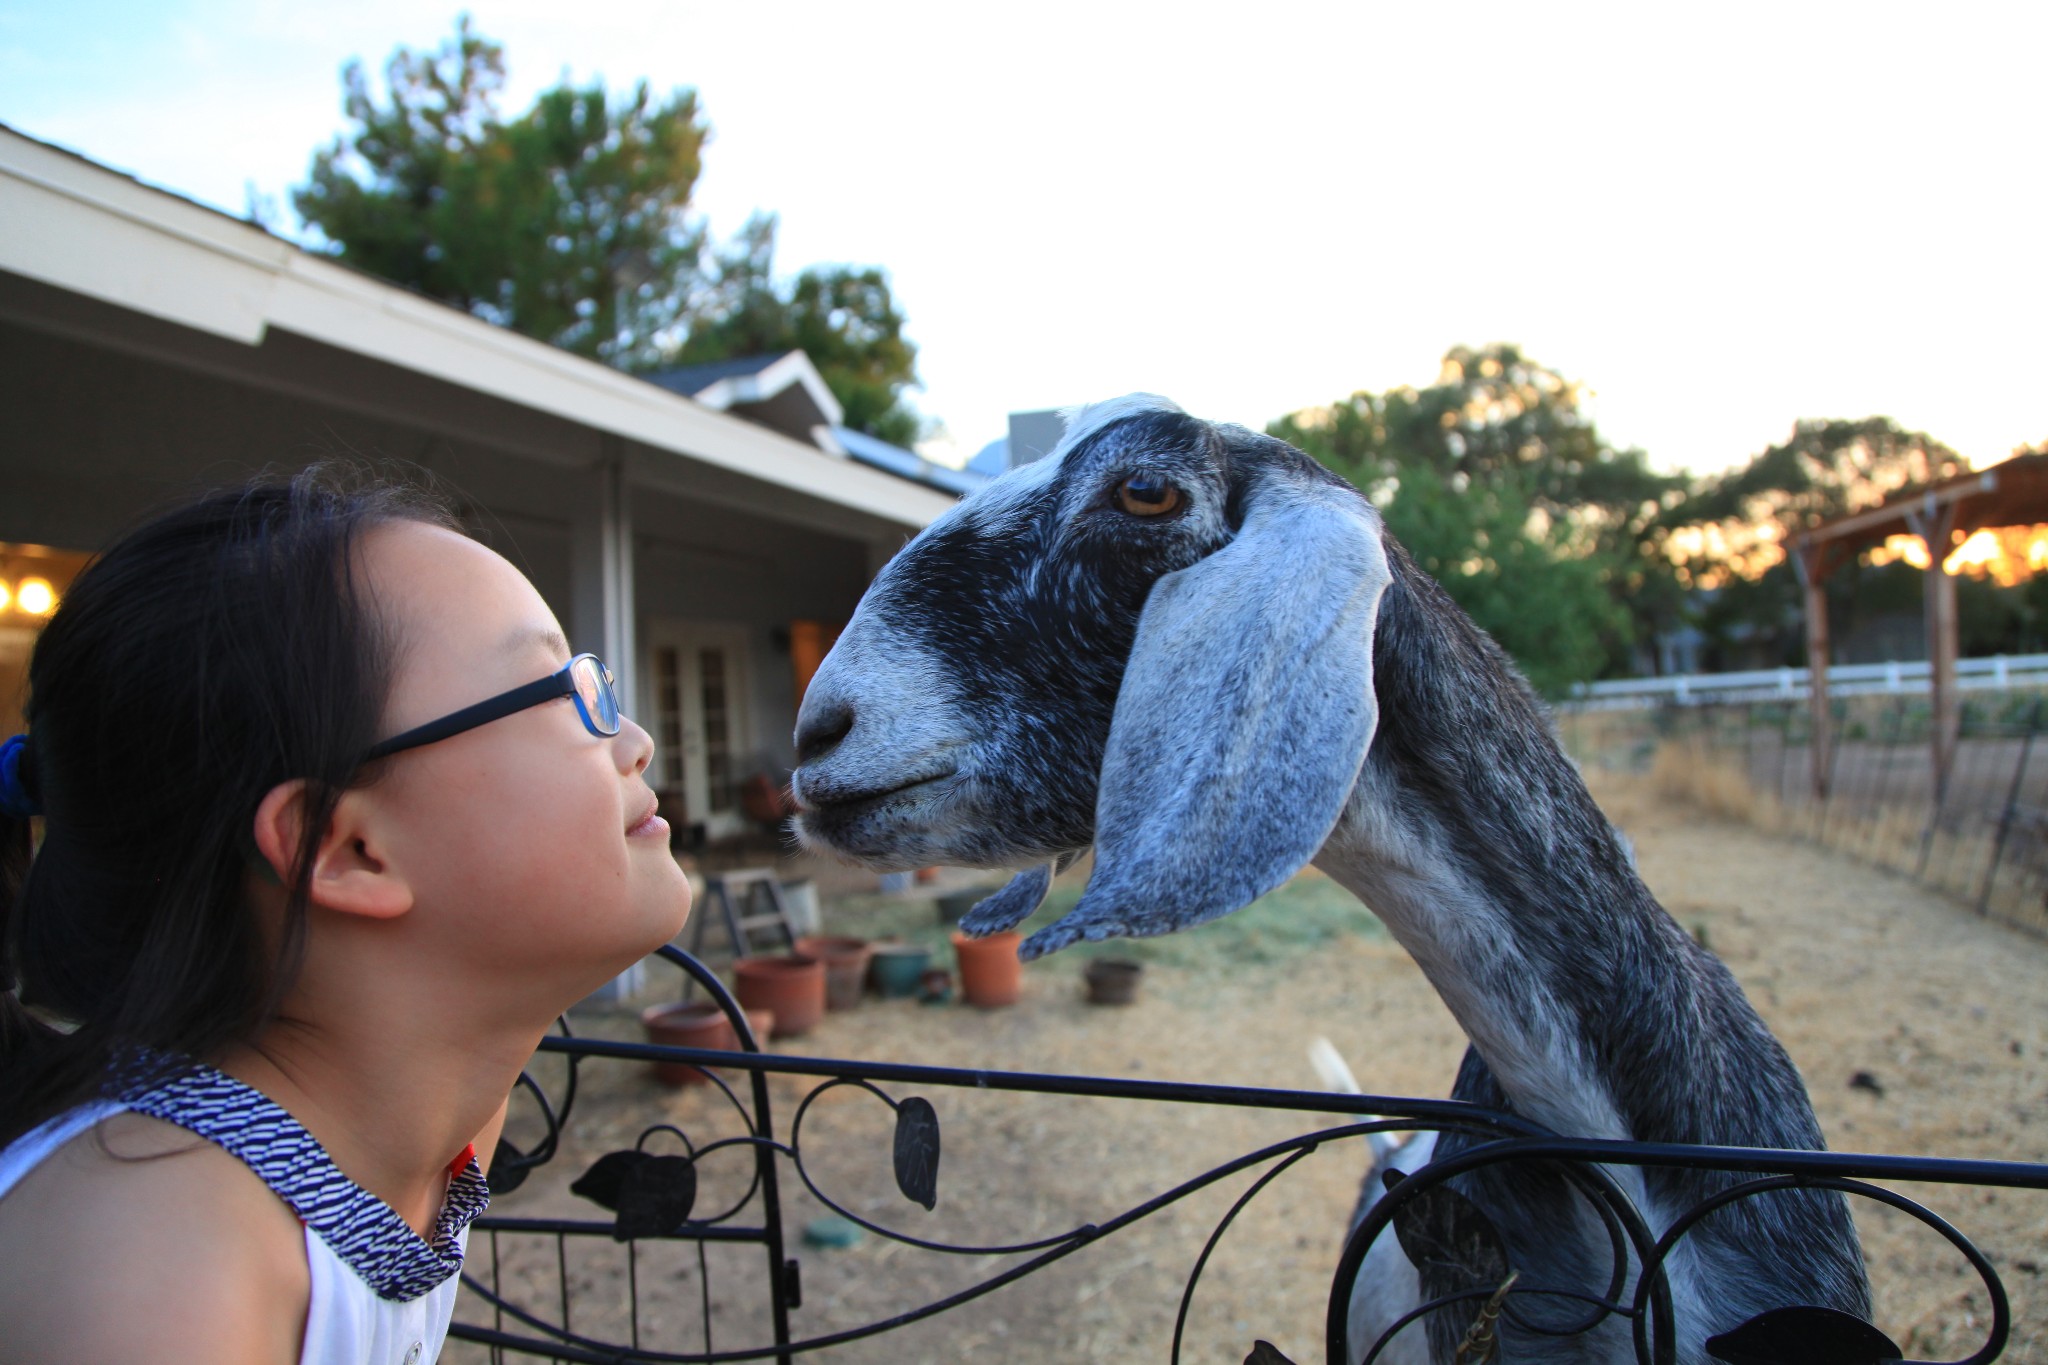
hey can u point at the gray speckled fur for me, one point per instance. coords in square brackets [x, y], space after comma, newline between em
[1215, 698]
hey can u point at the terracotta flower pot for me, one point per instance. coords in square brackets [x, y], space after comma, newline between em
[699, 1024]
[990, 973]
[1112, 980]
[792, 985]
[846, 967]
[896, 967]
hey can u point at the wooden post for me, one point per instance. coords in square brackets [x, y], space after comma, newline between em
[1936, 529]
[1809, 559]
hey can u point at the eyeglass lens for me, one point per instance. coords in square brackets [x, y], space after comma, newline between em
[594, 688]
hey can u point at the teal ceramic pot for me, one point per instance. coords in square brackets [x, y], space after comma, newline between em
[896, 969]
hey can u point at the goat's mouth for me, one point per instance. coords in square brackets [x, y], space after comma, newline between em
[877, 826]
[830, 799]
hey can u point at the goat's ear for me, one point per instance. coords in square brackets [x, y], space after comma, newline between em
[1244, 717]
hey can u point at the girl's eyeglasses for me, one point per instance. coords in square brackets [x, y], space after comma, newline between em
[584, 678]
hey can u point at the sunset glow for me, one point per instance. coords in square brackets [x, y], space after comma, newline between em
[2006, 556]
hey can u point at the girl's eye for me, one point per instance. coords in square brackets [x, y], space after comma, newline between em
[1147, 495]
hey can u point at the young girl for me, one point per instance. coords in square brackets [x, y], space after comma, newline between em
[330, 827]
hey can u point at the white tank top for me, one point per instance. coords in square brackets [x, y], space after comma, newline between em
[381, 1295]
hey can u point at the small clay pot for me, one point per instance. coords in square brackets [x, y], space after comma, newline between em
[792, 985]
[698, 1024]
[991, 975]
[935, 986]
[895, 968]
[846, 967]
[1112, 980]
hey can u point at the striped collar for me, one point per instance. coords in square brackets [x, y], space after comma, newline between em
[361, 1229]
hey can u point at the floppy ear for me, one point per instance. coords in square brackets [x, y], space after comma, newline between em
[1243, 720]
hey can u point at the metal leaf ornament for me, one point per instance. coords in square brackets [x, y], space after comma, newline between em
[1266, 1353]
[509, 1168]
[917, 1151]
[1442, 1228]
[655, 1197]
[1803, 1335]
[600, 1184]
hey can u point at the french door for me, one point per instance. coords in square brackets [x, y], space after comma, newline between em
[696, 679]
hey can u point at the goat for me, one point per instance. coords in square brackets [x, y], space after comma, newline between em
[1193, 649]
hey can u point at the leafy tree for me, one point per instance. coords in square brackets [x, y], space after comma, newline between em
[1500, 485]
[1823, 470]
[843, 317]
[572, 223]
[1735, 531]
[569, 223]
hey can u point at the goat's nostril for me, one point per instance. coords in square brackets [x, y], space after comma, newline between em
[819, 731]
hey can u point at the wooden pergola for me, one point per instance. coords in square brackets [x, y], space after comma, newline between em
[1942, 515]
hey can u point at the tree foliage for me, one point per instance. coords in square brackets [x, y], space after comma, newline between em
[1823, 470]
[843, 317]
[1730, 537]
[572, 223]
[1502, 488]
[569, 223]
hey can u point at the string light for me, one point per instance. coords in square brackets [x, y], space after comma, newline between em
[36, 597]
[31, 596]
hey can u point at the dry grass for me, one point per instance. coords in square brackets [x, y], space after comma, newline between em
[1954, 857]
[1689, 773]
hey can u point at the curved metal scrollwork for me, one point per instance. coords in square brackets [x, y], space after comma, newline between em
[650, 1192]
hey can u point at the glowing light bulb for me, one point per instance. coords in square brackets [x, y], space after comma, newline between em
[5, 595]
[36, 597]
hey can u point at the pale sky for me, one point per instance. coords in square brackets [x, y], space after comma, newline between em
[1720, 217]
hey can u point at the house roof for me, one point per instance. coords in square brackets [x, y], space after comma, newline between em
[68, 222]
[907, 463]
[786, 391]
[690, 380]
[782, 392]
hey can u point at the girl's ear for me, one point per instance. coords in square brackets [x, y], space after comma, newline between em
[349, 874]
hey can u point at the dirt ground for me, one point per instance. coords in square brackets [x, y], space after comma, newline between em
[1861, 974]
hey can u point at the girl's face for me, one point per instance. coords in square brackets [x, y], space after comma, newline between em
[530, 844]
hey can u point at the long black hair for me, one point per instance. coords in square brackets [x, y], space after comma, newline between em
[210, 654]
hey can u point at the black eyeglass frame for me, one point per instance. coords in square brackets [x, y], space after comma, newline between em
[561, 683]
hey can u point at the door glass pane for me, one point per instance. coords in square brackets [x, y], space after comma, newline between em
[718, 778]
[668, 717]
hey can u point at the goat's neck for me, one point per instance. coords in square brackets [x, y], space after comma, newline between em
[1473, 838]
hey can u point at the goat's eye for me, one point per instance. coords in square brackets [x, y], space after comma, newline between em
[1147, 495]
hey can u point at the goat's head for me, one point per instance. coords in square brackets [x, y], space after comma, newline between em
[1156, 641]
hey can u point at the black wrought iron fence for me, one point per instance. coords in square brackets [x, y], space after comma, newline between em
[1978, 832]
[662, 1200]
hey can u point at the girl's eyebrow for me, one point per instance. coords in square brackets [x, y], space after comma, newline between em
[547, 636]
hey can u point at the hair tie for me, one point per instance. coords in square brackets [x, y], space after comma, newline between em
[15, 799]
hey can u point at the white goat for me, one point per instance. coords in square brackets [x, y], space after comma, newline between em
[1195, 650]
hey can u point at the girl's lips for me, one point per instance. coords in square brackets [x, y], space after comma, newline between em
[650, 823]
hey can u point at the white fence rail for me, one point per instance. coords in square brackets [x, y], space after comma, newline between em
[1998, 672]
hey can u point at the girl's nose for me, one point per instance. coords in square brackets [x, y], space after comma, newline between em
[634, 746]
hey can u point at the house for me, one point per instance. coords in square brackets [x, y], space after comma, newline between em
[705, 541]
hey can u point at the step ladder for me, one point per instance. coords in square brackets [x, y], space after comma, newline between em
[749, 902]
